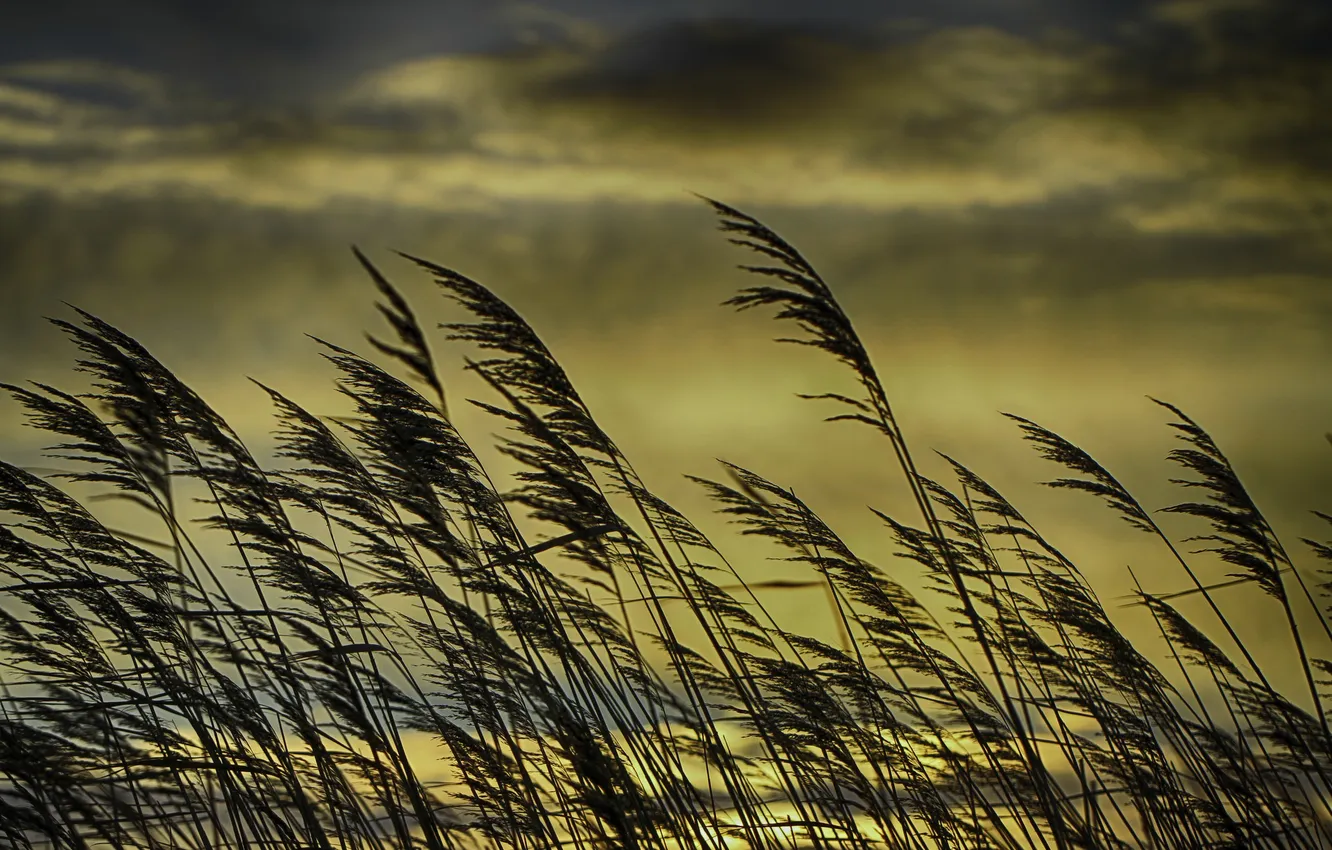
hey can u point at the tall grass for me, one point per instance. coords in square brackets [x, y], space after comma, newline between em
[393, 651]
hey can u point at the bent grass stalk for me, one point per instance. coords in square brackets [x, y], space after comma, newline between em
[387, 656]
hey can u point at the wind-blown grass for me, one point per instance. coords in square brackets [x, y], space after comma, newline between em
[387, 613]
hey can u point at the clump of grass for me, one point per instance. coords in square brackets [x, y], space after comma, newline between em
[385, 614]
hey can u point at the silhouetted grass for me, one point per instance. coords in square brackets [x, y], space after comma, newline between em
[382, 614]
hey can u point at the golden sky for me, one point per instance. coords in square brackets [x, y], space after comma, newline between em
[1053, 209]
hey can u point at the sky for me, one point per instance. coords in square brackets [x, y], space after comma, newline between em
[1050, 208]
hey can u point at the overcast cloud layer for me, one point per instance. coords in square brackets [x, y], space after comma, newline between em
[1194, 117]
[1049, 208]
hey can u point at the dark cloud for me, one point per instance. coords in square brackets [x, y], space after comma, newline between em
[1270, 59]
[758, 76]
[258, 52]
[742, 79]
[722, 76]
[249, 50]
[1196, 116]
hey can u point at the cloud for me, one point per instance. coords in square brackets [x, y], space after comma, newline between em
[758, 113]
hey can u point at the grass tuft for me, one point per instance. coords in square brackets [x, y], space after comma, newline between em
[394, 651]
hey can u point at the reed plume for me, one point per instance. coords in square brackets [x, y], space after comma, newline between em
[373, 610]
